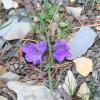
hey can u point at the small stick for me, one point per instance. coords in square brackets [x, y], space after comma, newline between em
[27, 40]
[94, 25]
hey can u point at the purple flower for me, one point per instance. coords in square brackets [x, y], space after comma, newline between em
[34, 52]
[61, 51]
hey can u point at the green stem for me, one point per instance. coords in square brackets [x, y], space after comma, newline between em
[51, 60]
[49, 66]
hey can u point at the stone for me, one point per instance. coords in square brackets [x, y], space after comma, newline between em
[15, 29]
[3, 98]
[29, 92]
[9, 4]
[75, 11]
[9, 76]
[97, 65]
[81, 1]
[63, 2]
[79, 45]
[96, 98]
[97, 55]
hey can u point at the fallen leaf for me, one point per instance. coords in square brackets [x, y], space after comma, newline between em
[83, 65]
[3, 70]
[84, 92]
[79, 45]
[70, 83]
[9, 4]
[52, 28]
[2, 83]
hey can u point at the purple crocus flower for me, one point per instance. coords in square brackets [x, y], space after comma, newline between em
[61, 51]
[34, 52]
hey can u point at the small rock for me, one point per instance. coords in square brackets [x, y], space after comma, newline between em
[15, 29]
[75, 11]
[89, 53]
[82, 43]
[81, 1]
[29, 92]
[9, 4]
[97, 65]
[9, 76]
[64, 2]
[96, 98]
[92, 54]
[97, 55]
[3, 98]
[88, 79]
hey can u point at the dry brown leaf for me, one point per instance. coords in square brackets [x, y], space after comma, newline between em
[2, 83]
[83, 65]
[72, 1]
[52, 28]
[2, 70]
[84, 92]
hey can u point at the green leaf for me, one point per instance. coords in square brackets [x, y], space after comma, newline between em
[62, 24]
[98, 1]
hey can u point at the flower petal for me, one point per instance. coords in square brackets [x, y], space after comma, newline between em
[59, 55]
[42, 45]
[35, 58]
[28, 57]
[68, 54]
[28, 48]
[61, 45]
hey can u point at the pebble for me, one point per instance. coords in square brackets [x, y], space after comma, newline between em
[82, 43]
[97, 65]
[64, 2]
[3, 98]
[96, 98]
[29, 92]
[97, 55]
[81, 1]
[93, 54]
[9, 76]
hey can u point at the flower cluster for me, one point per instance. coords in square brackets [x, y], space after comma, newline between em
[34, 52]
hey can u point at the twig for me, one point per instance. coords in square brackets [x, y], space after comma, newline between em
[35, 69]
[94, 25]
[28, 40]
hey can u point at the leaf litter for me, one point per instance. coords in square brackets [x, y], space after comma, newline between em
[53, 70]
